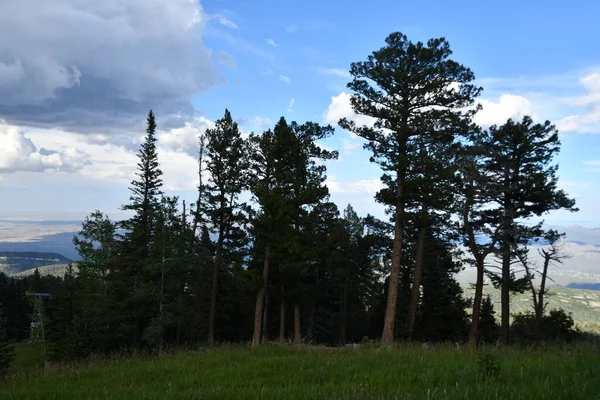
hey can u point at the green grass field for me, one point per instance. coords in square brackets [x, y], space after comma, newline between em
[321, 373]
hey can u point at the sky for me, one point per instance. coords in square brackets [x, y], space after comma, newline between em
[78, 77]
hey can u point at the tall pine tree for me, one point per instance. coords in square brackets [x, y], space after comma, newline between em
[519, 160]
[406, 88]
[140, 231]
[227, 166]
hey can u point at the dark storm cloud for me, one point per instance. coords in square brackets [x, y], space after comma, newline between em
[98, 66]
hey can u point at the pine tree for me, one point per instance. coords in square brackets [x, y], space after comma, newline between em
[411, 88]
[227, 165]
[140, 233]
[475, 192]
[6, 351]
[518, 159]
[488, 328]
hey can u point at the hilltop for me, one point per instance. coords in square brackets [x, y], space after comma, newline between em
[14, 262]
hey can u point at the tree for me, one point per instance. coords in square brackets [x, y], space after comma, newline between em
[476, 221]
[145, 195]
[6, 351]
[553, 253]
[227, 165]
[518, 159]
[442, 312]
[96, 244]
[407, 88]
[139, 236]
[488, 328]
[267, 222]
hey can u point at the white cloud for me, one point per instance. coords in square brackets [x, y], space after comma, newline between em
[185, 139]
[18, 153]
[285, 79]
[365, 186]
[588, 120]
[335, 71]
[260, 124]
[177, 155]
[86, 65]
[226, 21]
[291, 105]
[271, 42]
[340, 107]
[507, 106]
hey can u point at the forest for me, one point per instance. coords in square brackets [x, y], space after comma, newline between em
[263, 255]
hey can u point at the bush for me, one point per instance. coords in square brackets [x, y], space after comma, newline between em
[557, 325]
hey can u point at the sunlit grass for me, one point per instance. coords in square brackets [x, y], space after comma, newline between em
[406, 372]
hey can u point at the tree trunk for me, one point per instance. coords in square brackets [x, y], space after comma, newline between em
[260, 298]
[505, 289]
[392, 300]
[297, 327]
[344, 313]
[542, 291]
[310, 327]
[474, 335]
[213, 295]
[282, 319]
[265, 322]
[197, 211]
[416, 288]
[161, 305]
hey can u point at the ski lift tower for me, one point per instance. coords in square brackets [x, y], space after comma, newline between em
[36, 333]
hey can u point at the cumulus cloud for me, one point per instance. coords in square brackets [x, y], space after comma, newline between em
[498, 112]
[271, 42]
[185, 139]
[18, 153]
[340, 107]
[89, 66]
[285, 79]
[365, 186]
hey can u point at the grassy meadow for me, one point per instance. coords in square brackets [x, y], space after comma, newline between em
[402, 372]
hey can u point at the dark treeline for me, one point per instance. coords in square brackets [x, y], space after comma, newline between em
[263, 255]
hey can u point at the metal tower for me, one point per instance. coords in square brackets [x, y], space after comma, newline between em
[37, 334]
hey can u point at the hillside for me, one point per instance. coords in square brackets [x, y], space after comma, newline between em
[306, 372]
[54, 270]
[584, 305]
[14, 262]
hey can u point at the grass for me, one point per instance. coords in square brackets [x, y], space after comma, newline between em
[321, 373]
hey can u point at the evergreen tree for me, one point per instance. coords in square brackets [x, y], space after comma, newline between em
[6, 351]
[144, 200]
[227, 165]
[488, 328]
[475, 192]
[519, 160]
[140, 233]
[442, 312]
[411, 88]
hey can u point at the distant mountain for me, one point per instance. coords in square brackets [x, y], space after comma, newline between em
[57, 270]
[587, 286]
[13, 262]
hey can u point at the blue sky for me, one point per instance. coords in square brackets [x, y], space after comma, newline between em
[78, 78]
